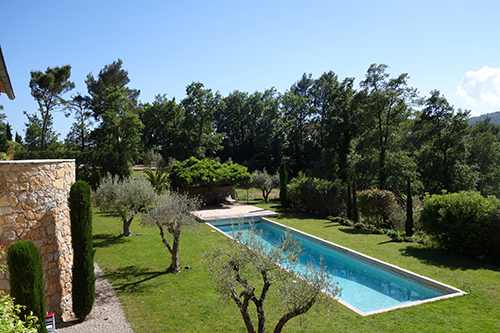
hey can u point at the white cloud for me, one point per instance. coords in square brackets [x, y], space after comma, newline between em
[481, 88]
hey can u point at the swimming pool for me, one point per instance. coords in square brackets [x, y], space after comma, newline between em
[368, 285]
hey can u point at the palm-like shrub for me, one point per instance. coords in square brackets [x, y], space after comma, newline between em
[158, 179]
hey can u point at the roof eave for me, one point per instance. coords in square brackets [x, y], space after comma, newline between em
[4, 77]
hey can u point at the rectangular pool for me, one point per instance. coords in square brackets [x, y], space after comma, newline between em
[368, 285]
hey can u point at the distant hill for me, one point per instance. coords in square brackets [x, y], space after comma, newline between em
[495, 118]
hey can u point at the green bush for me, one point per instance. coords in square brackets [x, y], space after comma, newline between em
[375, 204]
[83, 253]
[283, 184]
[89, 174]
[205, 173]
[9, 314]
[316, 195]
[26, 283]
[464, 222]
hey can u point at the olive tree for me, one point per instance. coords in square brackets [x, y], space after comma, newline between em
[265, 182]
[172, 212]
[127, 197]
[236, 273]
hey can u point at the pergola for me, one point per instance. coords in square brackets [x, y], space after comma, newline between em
[5, 86]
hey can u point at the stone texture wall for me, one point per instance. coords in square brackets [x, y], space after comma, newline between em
[211, 195]
[34, 206]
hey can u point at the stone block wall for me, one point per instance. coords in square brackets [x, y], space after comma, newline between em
[34, 206]
[211, 195]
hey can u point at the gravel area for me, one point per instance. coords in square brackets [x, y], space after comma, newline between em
[106, 316]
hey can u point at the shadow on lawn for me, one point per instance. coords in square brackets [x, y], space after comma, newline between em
[450, 260]
[355, 231]
[105, 240]
[131, 278]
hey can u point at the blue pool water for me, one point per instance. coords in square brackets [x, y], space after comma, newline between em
[364, 287]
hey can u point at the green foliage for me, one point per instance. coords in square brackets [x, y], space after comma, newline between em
[200, 173]
[172, 212]
[47, 89]
[464, 222]
[409, 211]
[9, 314]
[316, 195]
[349, 201]
[158, 179]
[126, 197]
[117, 138]
[341, 220]
[89, 174]
[34, 131]
[265, 182]
[135, 267]
[355, 210]
[283, 184]
[26, 280]
[375, 204]
[9, 318]
[83, 253]
[152, 159]
[246, 272]
[79, 133]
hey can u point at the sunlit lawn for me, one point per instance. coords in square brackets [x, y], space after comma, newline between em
[156, 301]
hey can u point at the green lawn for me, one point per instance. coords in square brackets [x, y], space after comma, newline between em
[156, 301]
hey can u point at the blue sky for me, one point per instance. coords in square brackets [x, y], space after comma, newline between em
[452, 46]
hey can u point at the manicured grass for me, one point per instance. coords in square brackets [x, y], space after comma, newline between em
[254, 195]
[157, 301]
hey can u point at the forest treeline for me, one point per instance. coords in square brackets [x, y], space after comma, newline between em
[325, 127]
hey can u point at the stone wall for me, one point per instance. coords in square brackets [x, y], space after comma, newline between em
[34, 206]
[210, 195]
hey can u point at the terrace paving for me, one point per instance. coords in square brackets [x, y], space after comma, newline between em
[231, 211]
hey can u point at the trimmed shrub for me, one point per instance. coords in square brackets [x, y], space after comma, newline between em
[83, 254]
[409, 210]
[349, 200]
[26, 282]
[205, 173]
[355, 210]
[319, 196]
[283, 185]
[463, 222]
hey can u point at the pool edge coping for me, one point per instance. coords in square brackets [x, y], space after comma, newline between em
[393, 269]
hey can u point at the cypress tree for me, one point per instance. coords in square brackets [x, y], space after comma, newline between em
[349, 199]
[283, 182]
[409, 210]
[83, 253]
[355, 213]
[26, 280]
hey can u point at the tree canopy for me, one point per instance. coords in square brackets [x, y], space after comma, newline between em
[326, 127]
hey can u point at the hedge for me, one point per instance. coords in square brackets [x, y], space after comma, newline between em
[319, 196]
[464, 222]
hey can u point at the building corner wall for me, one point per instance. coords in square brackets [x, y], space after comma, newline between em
[34, 206]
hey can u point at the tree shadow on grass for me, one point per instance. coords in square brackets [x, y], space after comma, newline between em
[446, 259]
[131, 279]
[354, 231]
[105, 240]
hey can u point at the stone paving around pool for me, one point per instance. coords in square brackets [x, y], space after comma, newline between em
[231, 211]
